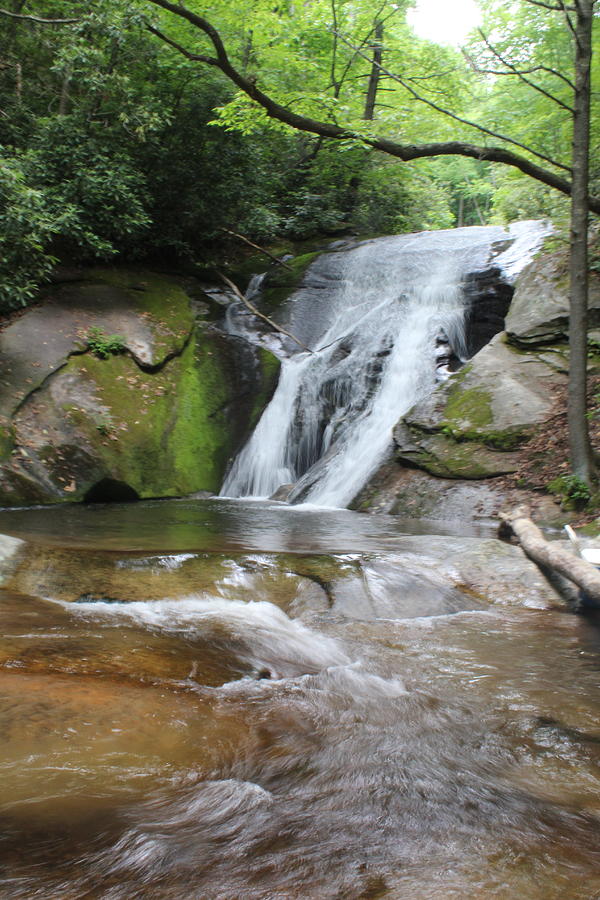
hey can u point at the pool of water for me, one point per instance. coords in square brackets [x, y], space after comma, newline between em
[218, 525]
[245, 702]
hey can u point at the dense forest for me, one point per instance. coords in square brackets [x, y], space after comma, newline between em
[121, 139]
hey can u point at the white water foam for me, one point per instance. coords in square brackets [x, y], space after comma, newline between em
[268, 635]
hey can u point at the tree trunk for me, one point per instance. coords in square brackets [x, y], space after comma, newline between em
[582, 463]
[375, 73]
[63, 105]
[551, 556]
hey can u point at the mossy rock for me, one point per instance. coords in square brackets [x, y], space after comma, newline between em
[150, 312]
[469, 408]
[281, 281]
[7, 439]
[158, 434]
[268, 367]
[440, 455]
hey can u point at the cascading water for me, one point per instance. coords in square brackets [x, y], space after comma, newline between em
[372, 338]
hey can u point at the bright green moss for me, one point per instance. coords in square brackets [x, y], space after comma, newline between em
[269, 366]
[471, 407]
[160, 300]
[164, 434]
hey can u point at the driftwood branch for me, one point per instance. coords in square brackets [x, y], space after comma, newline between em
[550, 555]
[256, 312]
[272, 256]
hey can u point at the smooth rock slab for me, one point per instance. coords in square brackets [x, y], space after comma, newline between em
[471, 426]
[539, 312]
[150, 312]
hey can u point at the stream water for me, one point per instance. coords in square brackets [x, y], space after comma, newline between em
[244, 700]
[305, 707]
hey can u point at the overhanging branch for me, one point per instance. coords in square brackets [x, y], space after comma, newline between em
[451, 115]
[405, 152]
[513, 70]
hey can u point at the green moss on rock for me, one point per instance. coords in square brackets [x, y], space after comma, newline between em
[161, 301]
[281, 282]
[471, 407]
[268, 373]
[440, 455]
[163, 434]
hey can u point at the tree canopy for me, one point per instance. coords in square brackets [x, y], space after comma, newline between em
[143, 129]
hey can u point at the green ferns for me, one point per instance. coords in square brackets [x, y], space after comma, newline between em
[102, 345]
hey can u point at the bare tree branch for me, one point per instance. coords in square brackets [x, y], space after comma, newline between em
[566, 9]
[551, 6]
[40, 21]
[477, 68]
[343, 78]
[256, 312]
[405, 152]
[514, 71]
[271, 256]
[194, 57]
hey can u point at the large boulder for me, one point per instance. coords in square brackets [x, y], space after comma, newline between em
[539, 312]
[160, 419]
[472, 425]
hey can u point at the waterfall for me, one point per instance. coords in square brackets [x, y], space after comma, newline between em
[372, 335]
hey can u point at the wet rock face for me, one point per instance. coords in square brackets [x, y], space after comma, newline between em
[473, 424]
[488, 297]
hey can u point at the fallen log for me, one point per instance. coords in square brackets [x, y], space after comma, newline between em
[550, 555]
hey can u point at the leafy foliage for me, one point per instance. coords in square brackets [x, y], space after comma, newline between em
[26, 229]
[115, 146]
[102, 345]
[574, 492]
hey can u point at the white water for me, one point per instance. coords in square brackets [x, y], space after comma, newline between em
[373, 332]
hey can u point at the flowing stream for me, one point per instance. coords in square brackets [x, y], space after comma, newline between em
[246, 700]
[214, 720]
[372, 338]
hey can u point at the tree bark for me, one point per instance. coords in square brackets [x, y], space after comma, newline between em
[375, 73]
[582, 463]
[544, 554]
